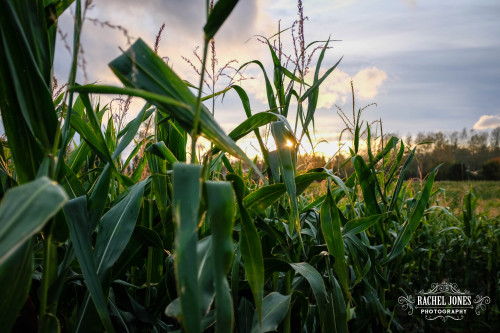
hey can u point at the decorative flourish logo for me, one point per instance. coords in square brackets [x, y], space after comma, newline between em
[443, 301]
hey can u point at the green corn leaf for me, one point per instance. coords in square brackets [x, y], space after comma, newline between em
[160, 150]
[146, 115]
[339, 308]
[250, 247]
[99, 196]
[132, 154]
[395, 164]
[278, 77]
[318, 82]
[205, 278]
[98, 89]
[391, 144]
[25, 47]
[373, 161]
[95, 125]
[160, 182]
[291, 93]
[331, 228]
[26, 151]
[265, 196]
[356, 226]
[76, 215]
[287, 168]
[70, 182]
[274, 308]
[206, 281]
[116, 227]
[246, 313]
[251, 124]
[216, 18]
[221, 213]
[24, 211]
[141, 68]
[78, 156]
[303, 181]
[16, 273]
[245, 101]
[133, 127]
[147, 237]
[86, 133]
[315, 281]
[54, 9]
[367, 181]
[158, 167]
[358, 254]
[413, 221]
[235, 280]
[139, 168]
[110, 135]
[269, 88]
[312, 94]
[187, 189]
[401, 178]
[274, 167]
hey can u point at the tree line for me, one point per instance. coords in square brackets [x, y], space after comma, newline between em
[463, 155]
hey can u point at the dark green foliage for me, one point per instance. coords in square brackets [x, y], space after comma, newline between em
[91, 240]
[491, 169]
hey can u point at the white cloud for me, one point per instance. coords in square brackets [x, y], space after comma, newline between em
[487, 121]
[368, 81]
[337, 87]
[256, 86]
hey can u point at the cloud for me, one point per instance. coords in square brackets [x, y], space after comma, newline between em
[487, 121]
[184, 22]
[256, 87]
[368, 81]
[410, 3]
[337, 88]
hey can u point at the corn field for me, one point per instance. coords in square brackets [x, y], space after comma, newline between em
[192, 242]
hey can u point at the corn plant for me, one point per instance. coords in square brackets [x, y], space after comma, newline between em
[88, 244]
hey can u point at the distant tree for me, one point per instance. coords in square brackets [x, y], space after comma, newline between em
[440, 141]
[478, 148]
[457, 171]
[464, 136]
[420, 138]
[408, 140]
[454, 139]
[495, 139]
[491, 169]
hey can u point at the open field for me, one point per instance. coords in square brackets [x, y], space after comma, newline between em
[166, 238]
[487, 192]
[450, 194]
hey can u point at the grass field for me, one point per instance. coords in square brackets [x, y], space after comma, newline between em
[487, 192]
[451, 195]
[88, 245]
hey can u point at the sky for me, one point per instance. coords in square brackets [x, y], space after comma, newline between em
[428, 65]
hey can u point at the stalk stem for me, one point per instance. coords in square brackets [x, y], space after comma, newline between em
[150, 254]
[48, 272]
[288, 318]
[194, 133]
[63, 136]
